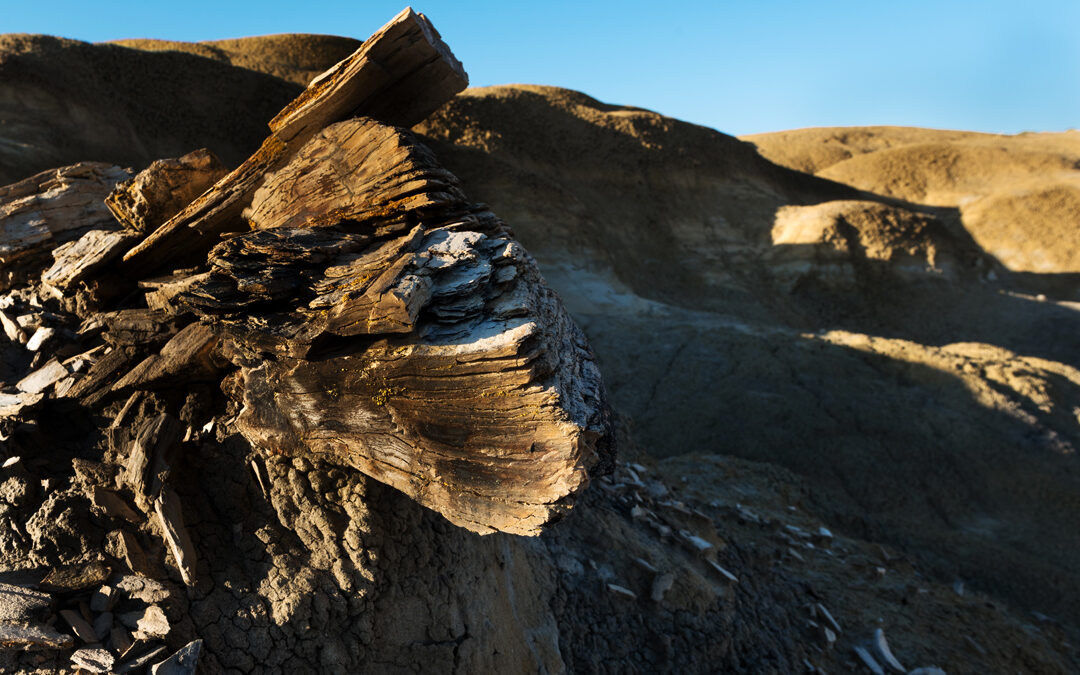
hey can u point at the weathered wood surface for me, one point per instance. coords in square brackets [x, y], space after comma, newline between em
[48, 209]
[399, 75]
[160, 191]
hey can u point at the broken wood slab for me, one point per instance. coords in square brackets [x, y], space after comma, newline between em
[51, 208]
[399, 75]
[161, 190]
[186, 357]
[151, 454]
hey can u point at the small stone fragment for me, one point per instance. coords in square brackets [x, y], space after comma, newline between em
[881, 647]
[93, 660]
[23, 605]
[152, 622]
[183, 662]
[622, 591]
[141, 589]
[869, 661]
[661, 585]
[34, 637]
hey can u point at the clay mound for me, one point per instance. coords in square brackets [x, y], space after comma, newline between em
[674, 209]
[63, 101]
[293, 57]
[1016, 193]
[846, 237]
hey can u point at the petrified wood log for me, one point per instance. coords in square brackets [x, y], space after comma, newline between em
[400, 75]
[382, 321]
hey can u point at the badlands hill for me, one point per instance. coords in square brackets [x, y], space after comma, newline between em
[875, 330]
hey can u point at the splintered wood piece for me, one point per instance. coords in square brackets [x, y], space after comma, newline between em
[184, 358]
[160, 190]
[48, 209]
[75, 260]
[171, 519]
[151, 454]
[399, 75]
[43, 378]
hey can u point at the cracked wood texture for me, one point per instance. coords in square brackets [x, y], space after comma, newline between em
[380, 320]
[399, 76]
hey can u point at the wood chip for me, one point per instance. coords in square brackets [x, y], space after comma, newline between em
[723, 572]
[142, 661]
[112, 504]
[77, 577]
[882, 651]
[828, 617]
[869, 661]
[43, 378]
[40, 337]
[170, 517]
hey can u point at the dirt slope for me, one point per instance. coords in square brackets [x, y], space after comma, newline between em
[62, 101]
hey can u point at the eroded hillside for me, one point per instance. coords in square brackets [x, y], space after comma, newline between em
[838, 329]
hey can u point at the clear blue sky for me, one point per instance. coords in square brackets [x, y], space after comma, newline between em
[740, 67]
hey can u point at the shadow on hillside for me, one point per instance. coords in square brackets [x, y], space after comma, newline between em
[898, 451]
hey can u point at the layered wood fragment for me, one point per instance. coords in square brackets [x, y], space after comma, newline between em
[51, 208]
[399, 75]
[165, 187]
